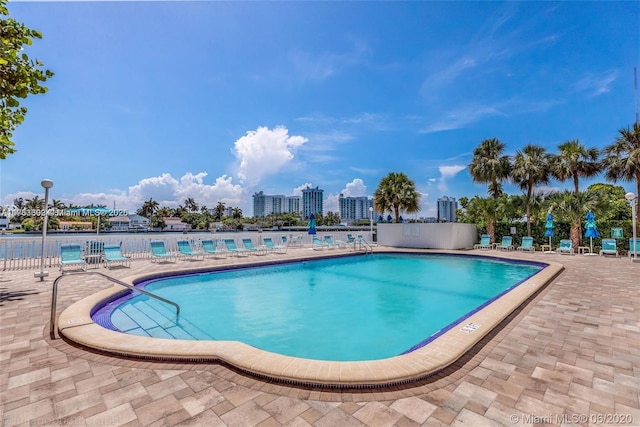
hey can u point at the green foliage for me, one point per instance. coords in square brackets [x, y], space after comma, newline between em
[396, 192]
[19, 76]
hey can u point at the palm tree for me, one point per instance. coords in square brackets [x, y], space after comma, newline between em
[573, 207]
[148, 208]
[530, 168]
[190, 204]
[575, 161]
[396, 191]
[236, 213]
[622, 160]
[490, 166]
[218, 211]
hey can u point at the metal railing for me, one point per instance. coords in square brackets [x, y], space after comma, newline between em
[54, 295]
[364, 245]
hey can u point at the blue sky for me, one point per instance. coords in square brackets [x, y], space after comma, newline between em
[218, 100]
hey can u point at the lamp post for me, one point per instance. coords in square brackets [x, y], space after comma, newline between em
[46, 184]
[633, 200]
[371, 221]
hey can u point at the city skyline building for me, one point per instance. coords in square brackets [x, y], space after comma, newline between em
[312, 201]
[353, 209]
[447, 209]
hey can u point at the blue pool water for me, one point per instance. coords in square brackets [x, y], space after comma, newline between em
[349, 308]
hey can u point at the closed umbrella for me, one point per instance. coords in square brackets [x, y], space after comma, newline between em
[389, 219]
[312, 224]
[549, 226]
[591, 230]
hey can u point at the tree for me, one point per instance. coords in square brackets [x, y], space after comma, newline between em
[575, 161]
[530, 168]
[191, 205]
[573, 207]
[236, 213]
[148, 208]
[395, 192]
[218, 211]
[622, 161]
[19, 76]
[490, 166]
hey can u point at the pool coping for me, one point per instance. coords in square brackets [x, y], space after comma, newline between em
[76, 325]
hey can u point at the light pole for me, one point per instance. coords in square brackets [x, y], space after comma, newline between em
[371, 221]
[633, 200]
[46, 184]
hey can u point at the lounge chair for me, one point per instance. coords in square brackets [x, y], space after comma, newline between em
[631, 248]
[71, 256]
[186, 251]
[318, 244]
[609, 247]
[527, 245]
[248, 245]
[113, 255]
[230, 244]
[506, 244]
[485, 242]
[334, 244]
[272, 247]
[159, 252]
[566, 247]
[210, 248]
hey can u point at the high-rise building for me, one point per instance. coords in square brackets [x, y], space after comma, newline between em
[292, 204]
[311, 201]
[354, 209]
[264, 205]
[447, 209]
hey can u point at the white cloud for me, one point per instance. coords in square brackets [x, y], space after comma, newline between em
[596, 84]
[264, 152]
[355, 188]
[447, 172]
[298, 190]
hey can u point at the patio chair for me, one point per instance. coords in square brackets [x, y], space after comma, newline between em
[113, 256]
[609, 247]
[249, 246]
[334, 244]
[209, 247]
[71, 256]
[506, 244]
[527, 245]
[318, 244]
[566, 247]
[159, 252]
[230, 244]
[186, 251]
[272, 247]
[631, 248]
[485, 242]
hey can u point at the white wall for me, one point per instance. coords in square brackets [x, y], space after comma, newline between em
[451, 235]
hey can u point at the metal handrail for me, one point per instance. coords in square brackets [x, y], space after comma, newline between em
[367, 247]
[54, 295]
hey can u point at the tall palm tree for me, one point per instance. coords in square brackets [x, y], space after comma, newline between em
[190, 204]
[148, 208]
[490, 165]
[575, 161]
[236, 213]
[622, 160]
[530, 168]
[218, 211]
[395, 192]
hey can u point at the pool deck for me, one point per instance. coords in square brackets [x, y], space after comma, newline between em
[573, 351]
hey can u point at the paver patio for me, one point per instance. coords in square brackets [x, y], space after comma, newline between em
[571, 354]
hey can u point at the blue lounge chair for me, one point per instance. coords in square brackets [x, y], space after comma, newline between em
[113, 255]
[566, 247]
[609, 247]
[272, 247]
[506, 244]
[71, 256]
[485, 242]
[159, 252]
[631, 248]
[210, 248]
[249, 246]
[318, 244]
[230, 244]
[334, 244]
[186, 251]
[527, 245]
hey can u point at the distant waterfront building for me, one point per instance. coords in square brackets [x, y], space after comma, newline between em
[312, 201]
[292, 204]
[264, 205]
[354, 209]
[447, 209]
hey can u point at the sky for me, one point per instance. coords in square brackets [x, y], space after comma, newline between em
[219, 100]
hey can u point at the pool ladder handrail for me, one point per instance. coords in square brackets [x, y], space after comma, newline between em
[364, 244]
[54, 295]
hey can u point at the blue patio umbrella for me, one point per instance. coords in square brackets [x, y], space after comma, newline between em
[401, 220]
[591, 230]
[380, 218]
[389, 218]
[549, 226]
[312, 224]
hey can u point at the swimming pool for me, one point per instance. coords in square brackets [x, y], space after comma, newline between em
[438, 351]
[342, 309]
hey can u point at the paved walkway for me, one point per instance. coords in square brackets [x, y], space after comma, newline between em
[571, 355]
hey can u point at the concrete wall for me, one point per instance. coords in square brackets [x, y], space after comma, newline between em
[451, 235]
